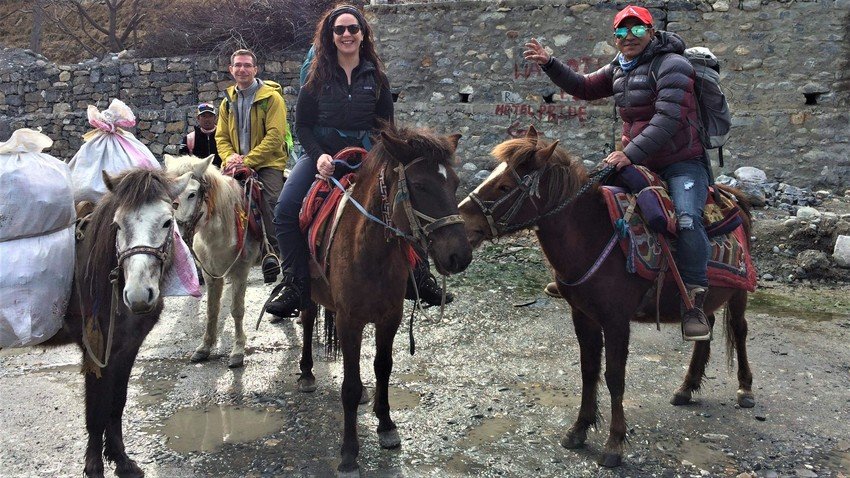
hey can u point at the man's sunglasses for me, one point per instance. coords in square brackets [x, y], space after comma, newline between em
[340, 29]
[639, 31]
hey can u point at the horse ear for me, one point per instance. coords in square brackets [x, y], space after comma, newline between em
[531, 134]
[200, 166]
[541, 157]
[169, 161]
[178, 185]
[454, 140]
[108, 181]
[398, 149]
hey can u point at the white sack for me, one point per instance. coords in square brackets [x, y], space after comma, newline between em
[107, 148]
[36, 240]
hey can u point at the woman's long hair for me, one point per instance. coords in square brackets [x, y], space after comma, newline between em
[325, 61]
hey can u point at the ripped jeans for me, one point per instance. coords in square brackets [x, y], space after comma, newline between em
[688, 182]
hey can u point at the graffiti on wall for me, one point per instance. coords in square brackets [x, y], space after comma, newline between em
[583, 64]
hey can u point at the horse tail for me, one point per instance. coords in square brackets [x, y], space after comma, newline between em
[744, 205]
[734, 323]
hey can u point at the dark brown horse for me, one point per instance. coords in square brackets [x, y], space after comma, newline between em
[539, 185]
[369, 263]
[128, 240]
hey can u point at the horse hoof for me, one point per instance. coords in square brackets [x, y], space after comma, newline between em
[364, 397]
[236, 361]
[573, 440]
[351, 470]
[389, 439]
[680, 399]
[611, 460]
[199, 356]
[129, 469]
[307, 384]
[746, 399]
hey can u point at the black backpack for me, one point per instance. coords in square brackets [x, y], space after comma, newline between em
[712, 108]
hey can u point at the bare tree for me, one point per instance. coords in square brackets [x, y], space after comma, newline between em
[77, 19]
[37, 25]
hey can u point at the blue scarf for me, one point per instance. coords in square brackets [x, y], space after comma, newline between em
[627, 65]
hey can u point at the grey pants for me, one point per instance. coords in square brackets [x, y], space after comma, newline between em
[272, 180]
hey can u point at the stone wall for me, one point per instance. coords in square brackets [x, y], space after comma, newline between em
[162, 92]
[458, 67]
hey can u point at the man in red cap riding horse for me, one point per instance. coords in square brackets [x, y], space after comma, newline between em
[660, 132]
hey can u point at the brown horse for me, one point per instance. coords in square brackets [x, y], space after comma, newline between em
[540, 185]
[118, 273]
[369, 263]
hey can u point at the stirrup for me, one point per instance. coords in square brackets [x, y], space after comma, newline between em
[270, 267]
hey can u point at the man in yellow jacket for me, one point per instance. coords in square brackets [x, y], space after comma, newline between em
[252, 131]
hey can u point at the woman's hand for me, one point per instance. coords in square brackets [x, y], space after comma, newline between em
[325, 166]
[535, 52]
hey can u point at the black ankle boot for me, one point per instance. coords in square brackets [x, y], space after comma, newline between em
[271, 268]
[430, 292]
[289, 297]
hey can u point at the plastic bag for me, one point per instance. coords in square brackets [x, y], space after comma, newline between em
[109, 148]
[36, 240]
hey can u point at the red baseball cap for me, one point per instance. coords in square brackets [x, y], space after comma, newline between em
[640, 13]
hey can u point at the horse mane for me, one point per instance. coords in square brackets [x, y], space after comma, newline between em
[131, 190]
[566, 173]
[422, 142]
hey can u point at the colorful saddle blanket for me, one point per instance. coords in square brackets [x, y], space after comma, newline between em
[729, 265]
[323, 203]
[253, 202]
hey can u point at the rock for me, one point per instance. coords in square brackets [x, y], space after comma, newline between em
[823, 194]
[751, 174]
[806, 213]
[791, 222]
[767, 276]
[482, 175]
[812, 260]
[841, 253]
[726, 181]
[746, 474]
[469, 167]
[806, 473]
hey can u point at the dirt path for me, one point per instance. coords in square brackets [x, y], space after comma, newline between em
[490, 391]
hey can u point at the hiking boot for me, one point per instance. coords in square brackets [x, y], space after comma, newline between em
[289, 297]
[695, 326]
[271, 268]
[551, 290]
[430, 292]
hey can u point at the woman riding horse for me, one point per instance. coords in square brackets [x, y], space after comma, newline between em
[346, 97]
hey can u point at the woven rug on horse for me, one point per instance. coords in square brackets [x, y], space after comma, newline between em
[250, 182]
[730, 263]
[319, 214]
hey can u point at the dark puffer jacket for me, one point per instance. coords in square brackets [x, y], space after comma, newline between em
[338, 106]
[660, 126]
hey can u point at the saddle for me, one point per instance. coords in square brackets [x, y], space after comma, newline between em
[252, 203]
[641, 217]
[322, 208]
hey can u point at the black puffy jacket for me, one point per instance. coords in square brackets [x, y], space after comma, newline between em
[660, 125]
[339, 106]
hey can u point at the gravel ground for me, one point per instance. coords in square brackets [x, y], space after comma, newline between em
[493, 385]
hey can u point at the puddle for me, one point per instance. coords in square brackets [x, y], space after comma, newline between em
[462, 465]
[191, 429]
[401, 399]
[154, 392]
[411, 377]
[820, 305]
[699, 454]
[549, 397]
[490, 430]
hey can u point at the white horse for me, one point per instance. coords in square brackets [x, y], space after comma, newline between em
[207, 213]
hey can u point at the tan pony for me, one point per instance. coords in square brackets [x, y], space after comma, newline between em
[207, 213]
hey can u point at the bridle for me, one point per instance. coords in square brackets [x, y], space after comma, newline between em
[528, 186]
[190, 225]
[421, 225]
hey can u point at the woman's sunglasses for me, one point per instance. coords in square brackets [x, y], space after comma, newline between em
[340, 29]
[637, 30]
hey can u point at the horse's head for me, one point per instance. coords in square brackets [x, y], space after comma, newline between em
[143, 222]
[533, 175]
[425, 194]
[188, 207]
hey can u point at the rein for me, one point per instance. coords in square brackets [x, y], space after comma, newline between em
[528, 186]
